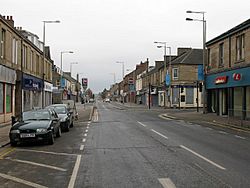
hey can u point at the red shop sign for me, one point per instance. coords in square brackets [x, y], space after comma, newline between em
[237, 76]
[221, 80]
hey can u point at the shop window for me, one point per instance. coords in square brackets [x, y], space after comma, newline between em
[248, 102]
[238, 93]
[26, 96]
[189, 95]
[8, 98]
[1, 98]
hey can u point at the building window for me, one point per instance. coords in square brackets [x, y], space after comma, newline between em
[208, 58]
[14, 50]
[31, 61]
[8, 98]
[3, 43]
[25, 57]
[240, 47]
[1, 98]
[221, 55]
[175, 73]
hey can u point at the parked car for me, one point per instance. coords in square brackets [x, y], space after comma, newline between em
[71, 105]
[65, 115]
[36, 125]
[107, 100]
[91, 100]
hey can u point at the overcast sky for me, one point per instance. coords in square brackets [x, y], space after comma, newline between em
[101, 32]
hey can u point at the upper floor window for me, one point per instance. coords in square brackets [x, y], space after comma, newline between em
[25, 65]
[3, 43]
[208, 58]
[14, 50]
[31, 60]
[240, 47]
[221, 54]
[175, 73]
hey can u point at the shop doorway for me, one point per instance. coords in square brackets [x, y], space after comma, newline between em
[223, 102]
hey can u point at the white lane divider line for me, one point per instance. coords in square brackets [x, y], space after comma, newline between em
[204, 158]
[166, 183]
[85, 135]
[86, 131]
[141, 124]
[38, 164]
[241, 137]
[18, 180]
[81, 147]
[84, 140]
[75, 171]
[159, 134]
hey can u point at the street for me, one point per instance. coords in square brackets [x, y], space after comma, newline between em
[125, 147]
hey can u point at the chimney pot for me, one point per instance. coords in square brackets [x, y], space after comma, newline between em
[11, 18]
[8, 18]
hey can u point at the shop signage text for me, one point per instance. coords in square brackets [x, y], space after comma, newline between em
[221, 80]
[237, 76]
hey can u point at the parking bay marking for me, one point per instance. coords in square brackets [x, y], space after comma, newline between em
[75, 171]
[202, 157]
[141, 124]
[166, 183]
[6, 152]
[37, 164]
[46, 152]
[81, 147]
[18, 180]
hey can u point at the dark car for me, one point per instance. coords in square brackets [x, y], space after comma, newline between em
[37, 125]
[65, 115]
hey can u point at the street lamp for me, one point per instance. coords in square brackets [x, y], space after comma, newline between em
[72, 63]
[63, 52]
[44, 23]
[121, 62]
[204, 51]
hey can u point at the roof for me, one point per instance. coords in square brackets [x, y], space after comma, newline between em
[191, 57]
[244, 25]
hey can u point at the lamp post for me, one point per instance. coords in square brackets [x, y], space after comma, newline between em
[204, 52]
[63, 52]
[44, 23]
[163, 44]
[121, 62]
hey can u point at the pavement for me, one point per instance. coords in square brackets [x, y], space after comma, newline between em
[5, 128]
[191, 115]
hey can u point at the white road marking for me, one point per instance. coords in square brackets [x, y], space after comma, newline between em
[159, 133]
[222, 132]
[85, 135]
[141, 124]
[202, 157]
[75, 171]
[166, 183]
[163, 117]
[241, 137]
[81, 147]
[37, 164]
[18, 180]
[87, 127]
[46, 152]
[84, 140]
[86, 131]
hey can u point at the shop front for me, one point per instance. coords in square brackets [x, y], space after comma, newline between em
[48, 89]
[7, 94]
[229, 93]
[31, 92]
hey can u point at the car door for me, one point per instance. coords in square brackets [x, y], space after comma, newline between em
[55, 120]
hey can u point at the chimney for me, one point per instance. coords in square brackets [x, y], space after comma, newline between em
[9, 20]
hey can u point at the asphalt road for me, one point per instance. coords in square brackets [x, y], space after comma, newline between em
[126, 147]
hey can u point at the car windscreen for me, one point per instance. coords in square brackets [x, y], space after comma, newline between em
[60, 109]
[36, 115]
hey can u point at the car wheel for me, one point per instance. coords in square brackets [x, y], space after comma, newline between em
[13, 143]
[59, 132]
[51, 139]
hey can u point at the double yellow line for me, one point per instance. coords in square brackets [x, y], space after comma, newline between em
[6, 152]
